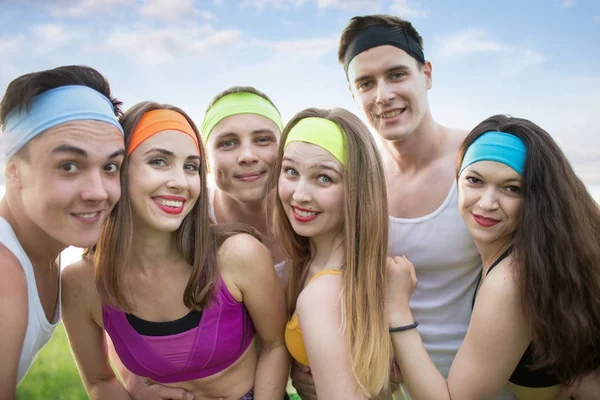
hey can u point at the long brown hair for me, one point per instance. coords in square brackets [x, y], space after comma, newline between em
[196, 238]
[365, 240]
[556, 253]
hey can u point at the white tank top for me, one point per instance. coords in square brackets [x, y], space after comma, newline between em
[39, 330]
[448, 266]
[212, 191]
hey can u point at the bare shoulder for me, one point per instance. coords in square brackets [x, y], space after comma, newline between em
[321, 294]
[455, 137]
[13, 283]
[240, 251]
[501, 286]
[79, 274]
[79, 287]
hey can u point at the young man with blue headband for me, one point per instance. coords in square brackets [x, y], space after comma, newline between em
[63, 150]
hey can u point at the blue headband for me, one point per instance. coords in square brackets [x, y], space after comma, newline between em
[496, 146]
[54, 107]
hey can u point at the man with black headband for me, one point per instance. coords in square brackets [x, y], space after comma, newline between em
[388, 78]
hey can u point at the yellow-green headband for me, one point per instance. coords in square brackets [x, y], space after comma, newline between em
[321, 132]
[239, 103]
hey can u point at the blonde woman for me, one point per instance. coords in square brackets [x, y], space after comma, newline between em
[332, 224]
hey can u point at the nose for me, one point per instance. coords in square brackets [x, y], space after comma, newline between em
[95, 187]
[302, 193]
[488, 200]
[178, 179]
[247, 153]
[384, 92]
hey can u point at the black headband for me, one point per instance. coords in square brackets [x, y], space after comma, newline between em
[380, 35]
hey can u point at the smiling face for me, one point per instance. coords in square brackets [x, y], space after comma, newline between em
[311, 189]
[68, 179]
[490, 201]
[242, 150]
[163, 179]
[390, 88]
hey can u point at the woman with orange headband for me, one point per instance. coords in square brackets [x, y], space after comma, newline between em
[179, 297]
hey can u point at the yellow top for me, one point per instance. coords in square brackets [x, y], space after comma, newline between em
[293, 334]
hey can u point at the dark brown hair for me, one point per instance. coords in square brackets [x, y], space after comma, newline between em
[23, 89]
[196, 238]
[365, 233]
[556, 252]
[359, 23]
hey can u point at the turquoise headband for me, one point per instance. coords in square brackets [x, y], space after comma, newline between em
[496, 146]
[54, 107]
[239, 103]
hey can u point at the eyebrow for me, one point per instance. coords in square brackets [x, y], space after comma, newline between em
[316, 166]
[518, 180]
[162, 151]
[399, 67]
[65, 148]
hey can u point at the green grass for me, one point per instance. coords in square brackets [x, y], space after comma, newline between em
[53, 374]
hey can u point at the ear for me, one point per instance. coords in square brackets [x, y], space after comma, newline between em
[12, 172]
[427, 70]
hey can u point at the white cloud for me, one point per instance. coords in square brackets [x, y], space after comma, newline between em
[407, 9]
[72, 8]
[472, 40]
[477, 41]
[308, 48]
[218, 2]
[172, 10]
[48, 38]
[163, 45]
[567, 3]
[9, 44]
[278, 4]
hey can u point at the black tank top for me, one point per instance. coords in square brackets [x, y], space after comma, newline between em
[523, 375]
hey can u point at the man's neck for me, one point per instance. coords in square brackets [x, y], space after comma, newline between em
[228, 209]
[424, 146]
[41, 249]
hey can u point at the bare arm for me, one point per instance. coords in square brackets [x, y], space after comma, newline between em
[495, 342]
[13, 314]
[82, 317]
[320, 316]
[263, 297]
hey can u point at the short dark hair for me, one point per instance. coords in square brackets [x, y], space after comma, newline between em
[359, 23]
[23, 89]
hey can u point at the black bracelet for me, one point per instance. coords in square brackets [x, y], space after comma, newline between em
[404, 328]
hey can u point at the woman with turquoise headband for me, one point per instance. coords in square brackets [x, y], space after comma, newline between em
[63, 150]
[241, 130]
[535, 318]
[332, 226]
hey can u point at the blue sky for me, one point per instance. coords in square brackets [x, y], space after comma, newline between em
[534, 59]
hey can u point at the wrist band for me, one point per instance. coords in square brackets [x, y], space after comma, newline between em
[404, 328]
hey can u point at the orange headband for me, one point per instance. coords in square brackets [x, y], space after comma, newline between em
[156, 121]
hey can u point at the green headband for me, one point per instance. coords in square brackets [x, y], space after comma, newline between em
[239, 103]
[321, 132]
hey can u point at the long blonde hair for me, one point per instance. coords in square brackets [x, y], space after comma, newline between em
[365, 233]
